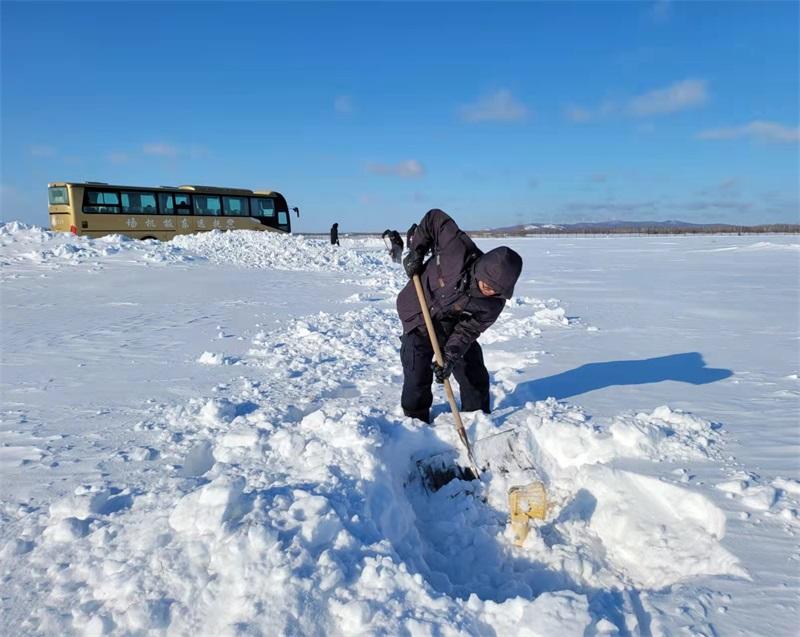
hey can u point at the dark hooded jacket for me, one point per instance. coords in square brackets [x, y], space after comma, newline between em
[394, 238]
[450, 282]
[410, 234]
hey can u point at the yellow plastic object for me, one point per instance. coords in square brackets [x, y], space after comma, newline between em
[528, 502]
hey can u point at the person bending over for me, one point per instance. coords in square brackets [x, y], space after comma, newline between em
[465, 290]
[395, 244]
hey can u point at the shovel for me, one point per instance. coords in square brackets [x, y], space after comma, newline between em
[448, 389]
[501, 453]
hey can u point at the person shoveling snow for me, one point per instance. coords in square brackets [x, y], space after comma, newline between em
[452, 298]
[466, 291]
[394, 244]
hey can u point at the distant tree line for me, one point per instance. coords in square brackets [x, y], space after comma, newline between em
[773, 228]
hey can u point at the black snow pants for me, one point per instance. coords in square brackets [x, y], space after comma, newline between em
[397, 253]
[416, 355]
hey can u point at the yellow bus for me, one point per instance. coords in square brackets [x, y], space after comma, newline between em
[95, 208]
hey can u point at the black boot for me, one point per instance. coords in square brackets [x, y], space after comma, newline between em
[423, 414]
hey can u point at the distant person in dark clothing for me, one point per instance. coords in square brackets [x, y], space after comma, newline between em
[465, 290]
[335, 234]
[410, 234]
[395, 246]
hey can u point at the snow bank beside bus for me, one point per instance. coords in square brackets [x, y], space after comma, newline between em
[271, 250]
[25, 244]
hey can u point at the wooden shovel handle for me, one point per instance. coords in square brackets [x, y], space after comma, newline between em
[448, 389]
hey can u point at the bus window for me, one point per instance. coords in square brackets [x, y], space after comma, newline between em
[207, 205]
[263, 207]
[58, 196]
[138, 202]
[166, 203]
[101, 201]
[235, 206]
[283, 220]
[183, 204]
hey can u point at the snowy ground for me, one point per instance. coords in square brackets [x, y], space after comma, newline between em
[203, 438]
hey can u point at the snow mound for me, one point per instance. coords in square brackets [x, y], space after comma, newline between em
[210, 509]
[272, 250]
[778, 498]
[656, 534]
[26, 244]
[532, 315]
[23, 243]
[569, 440]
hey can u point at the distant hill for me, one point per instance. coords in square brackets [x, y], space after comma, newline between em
[617, 226]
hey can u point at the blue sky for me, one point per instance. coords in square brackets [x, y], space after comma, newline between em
[369, 114]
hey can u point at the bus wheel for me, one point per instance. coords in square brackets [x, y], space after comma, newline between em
[146, 238]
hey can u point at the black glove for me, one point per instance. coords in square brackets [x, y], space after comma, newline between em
[413, 263]
[442, 372]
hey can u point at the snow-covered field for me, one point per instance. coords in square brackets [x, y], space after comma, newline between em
[203, 437]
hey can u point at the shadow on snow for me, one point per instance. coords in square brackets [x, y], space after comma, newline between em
[685, 368]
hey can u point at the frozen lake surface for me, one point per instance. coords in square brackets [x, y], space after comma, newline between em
[203, 437]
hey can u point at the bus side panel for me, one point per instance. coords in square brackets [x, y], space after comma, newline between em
[163, 227]
[135, 226]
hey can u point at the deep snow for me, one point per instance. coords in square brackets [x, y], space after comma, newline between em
[203, 438]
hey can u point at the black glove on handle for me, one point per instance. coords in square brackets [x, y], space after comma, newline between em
[413, 263]
[442, 372]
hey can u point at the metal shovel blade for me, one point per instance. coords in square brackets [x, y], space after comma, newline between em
[499, 453]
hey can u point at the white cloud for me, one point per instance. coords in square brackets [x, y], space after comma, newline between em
[500, 106]
[43, 150]
[717, 204]
[409, 169]
[160, 149]
[661, 11]
[760, 130]
[171, 151]
[578, 113]
[679, 96]
[581, 114]
[343, 104]
[118, 158]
